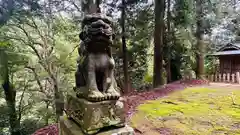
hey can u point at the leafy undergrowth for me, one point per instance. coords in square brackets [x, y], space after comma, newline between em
[134, 99]
[193, 111]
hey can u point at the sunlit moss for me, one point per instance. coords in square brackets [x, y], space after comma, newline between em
[218, 108]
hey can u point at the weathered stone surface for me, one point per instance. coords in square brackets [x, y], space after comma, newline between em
[95, 71]
[228, 77]
[96, 16]
[238, 77]
[92, 116]
[96, 103]
[233, 78]
[216, 78]
[83, 92]
[220, 77]
[212, 78]
[69, 127]
[224, 77]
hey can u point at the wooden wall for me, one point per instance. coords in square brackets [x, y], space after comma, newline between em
[229, 64]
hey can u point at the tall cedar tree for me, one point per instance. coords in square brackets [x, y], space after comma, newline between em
[199, 36]
[158, 43]
[124, 49]
[168, 66]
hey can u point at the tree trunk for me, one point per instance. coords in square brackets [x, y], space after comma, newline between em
[98, 2]
[47, 114]
[124, 50]
[158, 43]
[10, 97]
[58, 95]
[59, 100]
[91, 6]
[200, 43]
[169, 43]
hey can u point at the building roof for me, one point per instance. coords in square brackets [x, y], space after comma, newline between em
[232, 52]
[229, 49]
[230, 46]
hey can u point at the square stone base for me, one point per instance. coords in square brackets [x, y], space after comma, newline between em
[93, 116]
[68, 127]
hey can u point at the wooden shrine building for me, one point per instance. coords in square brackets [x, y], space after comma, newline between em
[229, 57]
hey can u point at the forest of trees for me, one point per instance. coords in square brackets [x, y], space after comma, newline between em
[157, 42]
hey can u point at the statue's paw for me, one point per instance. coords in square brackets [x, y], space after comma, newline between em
[113, 93]
[95, 95]
[107, 96]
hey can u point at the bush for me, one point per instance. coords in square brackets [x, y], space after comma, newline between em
[29, 126]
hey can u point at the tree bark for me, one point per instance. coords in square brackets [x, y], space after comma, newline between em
[46, 119]
[169, 43]
[98, 2]
[200, 43]
[158, 43]
[124, 49]
[90, 7]
[10, 97]
[58, 97]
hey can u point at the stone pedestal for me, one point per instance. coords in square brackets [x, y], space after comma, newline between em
[68, 127]
[93, 116]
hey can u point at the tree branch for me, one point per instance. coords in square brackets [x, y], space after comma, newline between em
[76, 6]
[30, 40]
[20, 102]
[37, 78]
[38, 31]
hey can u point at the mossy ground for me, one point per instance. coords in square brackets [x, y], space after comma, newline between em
[193, 111]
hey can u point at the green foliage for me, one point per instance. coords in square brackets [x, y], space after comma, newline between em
[3, 44]
[35, 44]
[183, 10]
[138, 44]
[3, 116]
[183, 51]
[148, 78]
[211, 65]
[29, 126]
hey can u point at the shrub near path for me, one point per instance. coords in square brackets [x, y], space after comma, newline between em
[202, 110]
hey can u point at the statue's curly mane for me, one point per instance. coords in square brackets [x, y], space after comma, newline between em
[96, 27]
[97, 34]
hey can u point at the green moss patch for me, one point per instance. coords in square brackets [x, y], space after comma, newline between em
[197, 110]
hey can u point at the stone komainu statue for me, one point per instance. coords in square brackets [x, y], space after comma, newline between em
[95, 72]
[97, 104]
